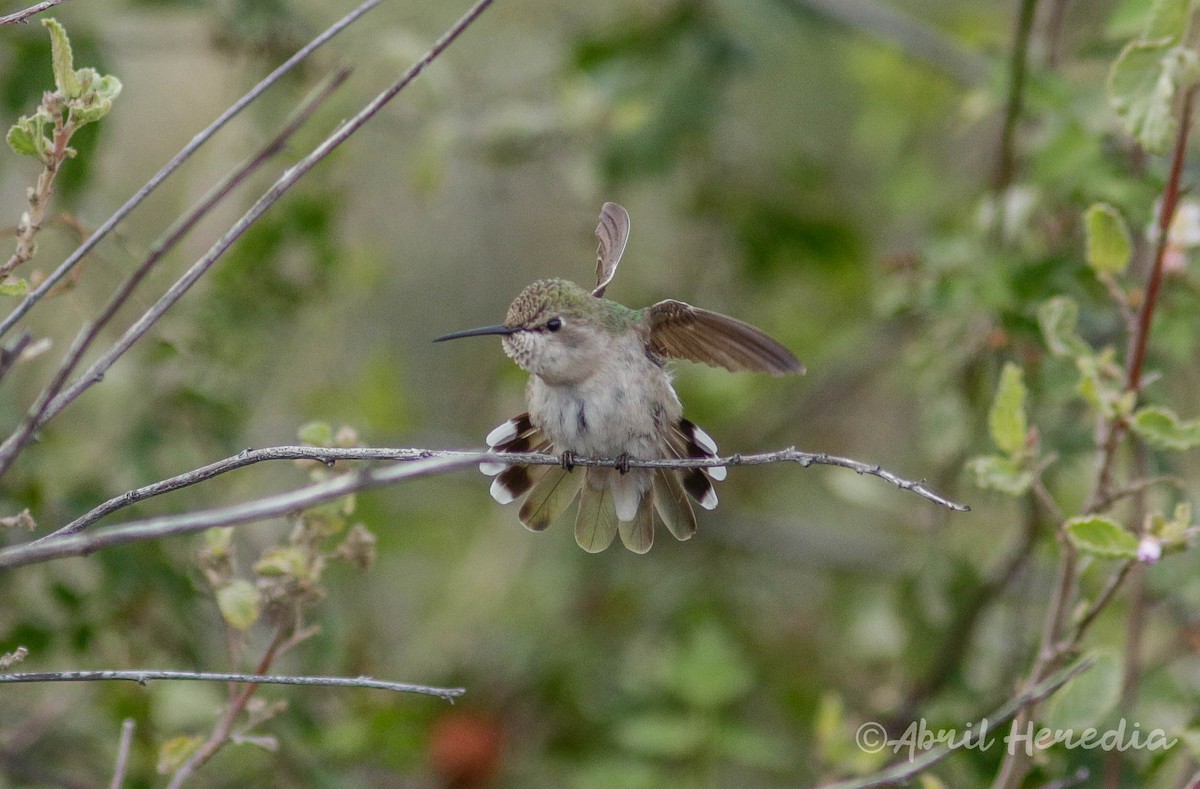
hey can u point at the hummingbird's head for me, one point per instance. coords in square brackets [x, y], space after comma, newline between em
[555, 330]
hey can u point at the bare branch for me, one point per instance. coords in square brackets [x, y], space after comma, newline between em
[42, 289]
[143, 676]
[122, 754]
[260, 509]
[69, 541]
[329, 456]
[22, 17]
[96, 372]
[910, 768]
[39, 413]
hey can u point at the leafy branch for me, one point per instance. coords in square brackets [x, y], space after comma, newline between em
[79, 97]
[73, 260]
[52, 401]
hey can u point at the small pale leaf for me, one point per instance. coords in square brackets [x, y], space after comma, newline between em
[1108, 245]
[1168, 19]
[1142, 87]
[22, 140]
[318, 434]
[239, 604]
[14, 287]
[1007, 420]
[993, 472]
[1058, 319]
[288, 561]
[1160, 427]
[1102, 537]
[65, 79]
[175, 751]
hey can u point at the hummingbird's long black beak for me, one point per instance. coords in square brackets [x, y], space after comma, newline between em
[476, 332]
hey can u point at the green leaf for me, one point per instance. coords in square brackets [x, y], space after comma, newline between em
[318, 434]
[175, 751]
[663, 735]
[283, 562]
[1108, 244]
[97, 97]
[1088, 697]
[1058, 319]
[1007, 420]
[1142, 87]
[22, 140]
[1161, 428]
[1102, 537]
[65, 79]
[239, 604]
[219, 542]
[993, 472]
[1168, 19]
[14, 287]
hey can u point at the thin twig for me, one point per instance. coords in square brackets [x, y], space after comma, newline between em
[122, 754]
[1135, 358]
[259, 509]
[430, 462]
[96, 372]
[329, 456]
[238, 698]
[109, 224]
[1139, 486]
[1018, 65]
[39, 412]
[22, 16]
[144, 676]
[902, 773]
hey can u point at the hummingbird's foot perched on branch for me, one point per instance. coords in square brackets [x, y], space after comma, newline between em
[568, 460]
[623, 463]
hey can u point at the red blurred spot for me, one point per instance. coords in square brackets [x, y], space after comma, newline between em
[464, 749]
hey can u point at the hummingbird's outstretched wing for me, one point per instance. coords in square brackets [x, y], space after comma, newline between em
[613, 232]
[681, 331]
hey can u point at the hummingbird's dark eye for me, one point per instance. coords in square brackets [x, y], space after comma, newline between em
[554, 324]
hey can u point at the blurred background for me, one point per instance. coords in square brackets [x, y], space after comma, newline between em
[832, 172]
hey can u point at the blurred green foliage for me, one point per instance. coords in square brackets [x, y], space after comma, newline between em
[815, 179]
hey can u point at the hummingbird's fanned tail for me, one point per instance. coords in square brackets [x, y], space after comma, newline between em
[550, 497]
[596, 521]
[689, 441]
[516, 435]
[638, 534]
[672, 504]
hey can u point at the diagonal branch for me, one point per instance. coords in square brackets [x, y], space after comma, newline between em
[981, 736]
[143, 676]
[35, 295]
[96, 372]
[21, 17]
[329, 456]
[259, 509]
[71, 541]
[38, 413]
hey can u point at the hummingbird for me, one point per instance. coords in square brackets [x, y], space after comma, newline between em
[599, 387]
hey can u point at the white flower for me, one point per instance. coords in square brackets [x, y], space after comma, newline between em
[1149, 550]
